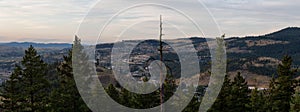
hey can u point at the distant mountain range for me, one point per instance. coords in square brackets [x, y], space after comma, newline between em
[36, 45]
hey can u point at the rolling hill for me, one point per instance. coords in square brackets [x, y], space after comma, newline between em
[256, 57]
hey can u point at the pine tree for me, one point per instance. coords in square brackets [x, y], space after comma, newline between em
[34, 85]
[11, 92]
[295, 104]
[66, 97]
[126, 98]
[239, 95]
[270, 94]
[257, 101]
[52, 74]
[222, 101]
[134, 100]
[217, 75]
[196, 101]
[113, 92]
[233, 96]
[283, 87]
[143, 101]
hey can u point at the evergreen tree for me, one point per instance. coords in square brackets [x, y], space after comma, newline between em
[257, 101]
[218, 77]
[34, 85]
[295, 104]
[52, 75]
[143, 101]
[11, 92]
[239, 95]
[83, 69]
[126, 98]
[270, 95]
[233, 96]
[134, 100]
[283, 87]
[222, 101]
[196, 101]
[66, 97]
[193, 105]
[113, 92]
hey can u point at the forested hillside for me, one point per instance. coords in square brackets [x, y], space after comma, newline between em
[261, 75]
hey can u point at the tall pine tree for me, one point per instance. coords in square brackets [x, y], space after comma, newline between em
[283, 87]
[222, 101]
[66, 97]
[239, 95]
[233, 96]
[34, 85]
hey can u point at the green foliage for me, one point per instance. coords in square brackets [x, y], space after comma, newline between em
[11, 92]
[295, 104]
[239, 94]
[66, 97]
[27, 89]
[34, 85]
[196, 101]
[233, 96]
[222, 102]
[82, 73]
[283, 87]
[257, 101]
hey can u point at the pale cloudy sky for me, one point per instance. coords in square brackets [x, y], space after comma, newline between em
[58, 20]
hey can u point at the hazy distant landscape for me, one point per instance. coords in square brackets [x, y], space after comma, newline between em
[11, 54]
[149, 56]
[256, 57]
[252, 64]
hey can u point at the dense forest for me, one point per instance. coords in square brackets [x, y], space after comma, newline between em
[36, 86]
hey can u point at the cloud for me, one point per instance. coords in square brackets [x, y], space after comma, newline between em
[254, 17]
[37, 18]
[60, 18]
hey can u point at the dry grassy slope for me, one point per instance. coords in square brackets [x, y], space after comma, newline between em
[255, 57]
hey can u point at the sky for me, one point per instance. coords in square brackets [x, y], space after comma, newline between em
[114, 20]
